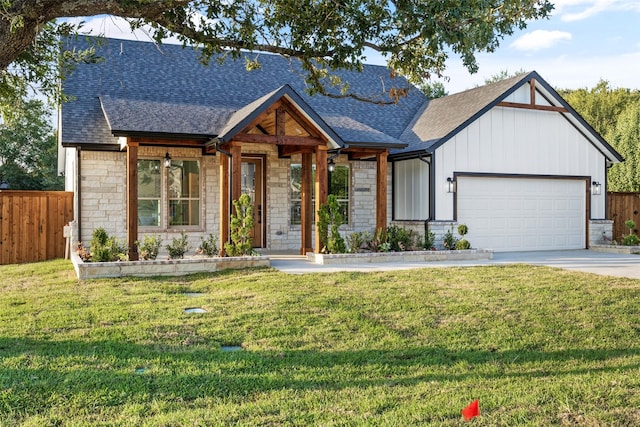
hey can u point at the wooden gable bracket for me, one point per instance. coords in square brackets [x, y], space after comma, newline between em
[532, 102]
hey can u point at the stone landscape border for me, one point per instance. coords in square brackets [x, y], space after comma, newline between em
[409, 256]
[615, 249]
[172, 267]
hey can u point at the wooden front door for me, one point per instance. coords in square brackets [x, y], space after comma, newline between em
[252, 184]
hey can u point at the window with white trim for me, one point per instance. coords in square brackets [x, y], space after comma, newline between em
[168, 197]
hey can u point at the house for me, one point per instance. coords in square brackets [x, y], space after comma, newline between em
[157, 143]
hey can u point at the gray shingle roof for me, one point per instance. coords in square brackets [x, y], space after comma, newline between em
[442, 117]
[167, 89]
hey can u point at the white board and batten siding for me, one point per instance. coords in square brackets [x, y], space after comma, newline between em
[411, 195]
[527, 143]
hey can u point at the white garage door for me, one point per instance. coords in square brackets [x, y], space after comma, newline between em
[522, 214]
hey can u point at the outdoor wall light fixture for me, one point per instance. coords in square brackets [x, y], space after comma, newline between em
[451, 185]
[167, 160]
[596, 188]
[331, 166]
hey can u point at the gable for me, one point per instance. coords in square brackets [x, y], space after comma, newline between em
[442, 119]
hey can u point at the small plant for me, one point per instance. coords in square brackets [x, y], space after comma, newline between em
[377, 242]
[330, 220]
[449, 241]
[208, 246]
[630, 239]
[104, 248]
[178, 247]
[429, 241]
[400, 238]
[150, 247]
[462, 244]
[357, 241]
[83, 253]
[241, 228]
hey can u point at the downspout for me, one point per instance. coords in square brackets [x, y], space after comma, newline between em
[426, 221]
[220, 150]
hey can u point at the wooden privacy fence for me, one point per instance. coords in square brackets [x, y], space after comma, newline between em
[32, 225]
[621, 207]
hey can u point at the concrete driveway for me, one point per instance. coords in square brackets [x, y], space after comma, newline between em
[605, 264]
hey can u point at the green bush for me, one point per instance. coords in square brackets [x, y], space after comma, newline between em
[178, 247]
[106, 249]
[400, 238]
[330, 220]
[208, 246]
[630, 240]
[150, 247]
[241, 228]
[463, 244]
[357, 241]
[449, 241]
[429, 240]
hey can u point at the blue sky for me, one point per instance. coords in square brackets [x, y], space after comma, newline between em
[583, 42]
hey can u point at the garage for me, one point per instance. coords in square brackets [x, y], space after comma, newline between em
[523, 213]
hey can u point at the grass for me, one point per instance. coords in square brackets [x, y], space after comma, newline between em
[537, 346]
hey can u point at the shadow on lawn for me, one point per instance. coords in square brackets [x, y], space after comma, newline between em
[109, 373]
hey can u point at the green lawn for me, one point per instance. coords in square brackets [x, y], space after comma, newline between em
[537, 346]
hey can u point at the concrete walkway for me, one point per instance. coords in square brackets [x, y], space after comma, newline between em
[605, 264]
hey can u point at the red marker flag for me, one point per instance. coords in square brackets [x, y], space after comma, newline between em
[473, 410]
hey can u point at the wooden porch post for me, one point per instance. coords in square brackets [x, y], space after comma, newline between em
[224, 201]
[236, 169]
[230, 182]
[306, 208]
[381, 189]
[321, 188]
[132, 199]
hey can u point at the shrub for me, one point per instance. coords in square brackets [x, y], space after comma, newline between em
[106, 249]
[241, 228]
[330, 220]
[178, 247]
[150, 247]
[378, 242]
[463, 244]
[429, 240]
[400, 239]
[208, 246]
[357, 241]
[630, 239]
[449, 241]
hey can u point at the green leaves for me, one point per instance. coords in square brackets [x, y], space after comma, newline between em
[415, 36]
[28, 148]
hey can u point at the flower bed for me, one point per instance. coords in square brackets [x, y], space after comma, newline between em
[616, 249]
[409, 256]
[173, 267]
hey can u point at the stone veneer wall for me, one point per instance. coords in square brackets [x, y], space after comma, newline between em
[600, 231]
[104, 195]
[103, 184]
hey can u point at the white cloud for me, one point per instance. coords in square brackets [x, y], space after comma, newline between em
[577, 10]
[540, 39]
